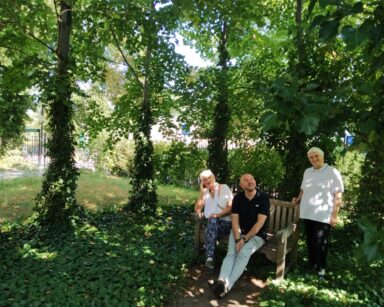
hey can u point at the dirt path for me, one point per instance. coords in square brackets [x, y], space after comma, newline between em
[199, 294]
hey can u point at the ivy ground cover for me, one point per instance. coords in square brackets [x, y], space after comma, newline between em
[109, 259]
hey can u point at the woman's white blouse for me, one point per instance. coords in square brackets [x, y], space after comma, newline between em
[319, 188]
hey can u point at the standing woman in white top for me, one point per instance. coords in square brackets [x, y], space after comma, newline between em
[217, 202]
[320, 200]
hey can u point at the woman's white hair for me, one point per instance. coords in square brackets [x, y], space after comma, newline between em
[316, 150]
[207, 173]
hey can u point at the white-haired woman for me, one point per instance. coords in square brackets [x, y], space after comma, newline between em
[320, 200]
[216, 199]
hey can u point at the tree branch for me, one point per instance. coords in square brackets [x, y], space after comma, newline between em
[125, 59]
[41, 42]
[16, 49]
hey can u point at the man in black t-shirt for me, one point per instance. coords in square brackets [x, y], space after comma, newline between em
[250, 212]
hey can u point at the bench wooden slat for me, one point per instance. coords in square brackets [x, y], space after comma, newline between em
[271, 218]
[276, 227]
[283, 221]
[290, 216]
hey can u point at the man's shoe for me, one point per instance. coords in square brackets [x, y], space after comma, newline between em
[218, 289]
[209, 263]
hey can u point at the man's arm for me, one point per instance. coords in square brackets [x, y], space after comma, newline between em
[236, 231]
[336, 208]
[235, 226]
[261, 218]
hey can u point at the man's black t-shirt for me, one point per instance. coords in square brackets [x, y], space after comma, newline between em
[248, 210]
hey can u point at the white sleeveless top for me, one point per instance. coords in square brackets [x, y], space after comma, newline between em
[219, 201]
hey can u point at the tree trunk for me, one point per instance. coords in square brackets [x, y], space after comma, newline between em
[143, 195]
[295, 157]
[57, 202]
[217, 148]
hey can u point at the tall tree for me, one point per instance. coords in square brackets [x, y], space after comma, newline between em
[362, 30]
[57, 201]
[23, 60]
[142, 33]
[304, 109]
[217, 29]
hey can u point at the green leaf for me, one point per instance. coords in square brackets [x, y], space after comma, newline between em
[365, 224]
[269, 121]
[371, 252]
[329, 29]
[324, 3]
[349, 35]
[352, 10]
[367, 126]
[311, 86]
[308, 124]
[378, 63]
[311, 6]
[318, 20]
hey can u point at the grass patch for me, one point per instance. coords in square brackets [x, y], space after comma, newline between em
[110, 259]
[95, 191]
[14, 159]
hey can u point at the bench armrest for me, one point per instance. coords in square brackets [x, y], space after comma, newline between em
[283, 234]
[197, 217]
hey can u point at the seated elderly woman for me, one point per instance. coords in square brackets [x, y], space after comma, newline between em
[216, 199]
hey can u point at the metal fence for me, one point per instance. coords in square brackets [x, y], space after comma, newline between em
[34, 149]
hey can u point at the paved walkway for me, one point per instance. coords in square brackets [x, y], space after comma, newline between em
[198, 293]
[14, 173]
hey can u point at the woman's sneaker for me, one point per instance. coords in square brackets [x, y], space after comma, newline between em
[210, 263]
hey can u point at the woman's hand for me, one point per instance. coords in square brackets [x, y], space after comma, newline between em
[215, 215]
[295, 200]
[333, 220]
[202, 187]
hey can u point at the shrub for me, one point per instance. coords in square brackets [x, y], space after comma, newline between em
[262, 162]
[180, 164]
[349, 166]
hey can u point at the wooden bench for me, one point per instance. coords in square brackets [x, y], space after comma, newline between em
[282, 238]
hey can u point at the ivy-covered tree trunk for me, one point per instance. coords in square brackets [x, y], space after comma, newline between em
[295, 165]
[56, 201]
[143, 195]
[218, 149]
[296, 153]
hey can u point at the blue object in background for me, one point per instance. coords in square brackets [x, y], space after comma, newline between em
[184, 129]
[349, 140]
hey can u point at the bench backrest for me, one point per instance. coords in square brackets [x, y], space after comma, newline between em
[282, 214]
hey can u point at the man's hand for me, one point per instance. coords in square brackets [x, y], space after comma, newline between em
[239, 245]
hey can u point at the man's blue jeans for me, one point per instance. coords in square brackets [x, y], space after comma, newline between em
[216, 228]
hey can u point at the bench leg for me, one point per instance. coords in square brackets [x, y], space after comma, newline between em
[197, 244]
[293, 252]
[280, 263]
